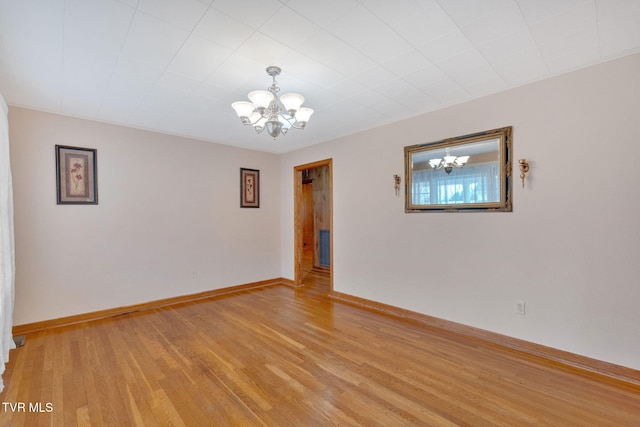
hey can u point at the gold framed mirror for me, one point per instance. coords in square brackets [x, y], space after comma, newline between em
[464, 173]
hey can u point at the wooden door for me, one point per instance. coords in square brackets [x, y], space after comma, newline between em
[307, 216]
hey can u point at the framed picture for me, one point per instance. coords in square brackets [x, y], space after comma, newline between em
[76, 175]
[249, 188]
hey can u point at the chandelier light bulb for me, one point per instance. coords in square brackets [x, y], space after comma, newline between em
[243, 108]
[261, 98]
[303, 115]
[462, 160]
[449, 159]
[291, 101]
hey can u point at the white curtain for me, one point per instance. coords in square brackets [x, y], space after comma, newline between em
[478, 183]
[7, 248]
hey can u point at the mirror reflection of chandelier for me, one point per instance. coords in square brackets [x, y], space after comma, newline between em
[449, 162]
[268, 111]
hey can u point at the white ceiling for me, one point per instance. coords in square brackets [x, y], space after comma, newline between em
[175, 66]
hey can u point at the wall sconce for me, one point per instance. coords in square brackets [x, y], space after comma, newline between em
[396, 184]
[524, 168]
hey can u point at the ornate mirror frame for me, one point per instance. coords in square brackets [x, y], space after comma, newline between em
[484, 186]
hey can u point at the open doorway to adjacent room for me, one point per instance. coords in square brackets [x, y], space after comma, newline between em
[313, 223]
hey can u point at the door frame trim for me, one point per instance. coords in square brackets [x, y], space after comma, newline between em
[298, 233]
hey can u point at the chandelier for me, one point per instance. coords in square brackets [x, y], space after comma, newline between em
[449, 162]
[267, 110]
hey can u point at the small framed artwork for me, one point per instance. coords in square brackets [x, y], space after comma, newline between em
[76, 175]
[249, 188]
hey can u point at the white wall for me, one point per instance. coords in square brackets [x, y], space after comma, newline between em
[570, 248]
[167, 206]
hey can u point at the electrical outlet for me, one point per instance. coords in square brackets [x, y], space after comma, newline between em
[194, 274]
[518, 307]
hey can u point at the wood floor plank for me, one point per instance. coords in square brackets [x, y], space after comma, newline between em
[278, 356]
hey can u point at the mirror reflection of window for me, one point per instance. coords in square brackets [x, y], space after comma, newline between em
[476, 181]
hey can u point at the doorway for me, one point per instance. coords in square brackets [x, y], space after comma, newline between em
[313, 222]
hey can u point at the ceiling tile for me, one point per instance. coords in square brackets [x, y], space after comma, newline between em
[98, 25]
[350, 63]
[618, 26]
[379, 49]
[212, 98]
[578, 58]
[498, 24]
[198, 57]
[423, 78]
[353, 115]
[451, 44]
[567, 45]
[347, 88]
[112, 108]
[521, 67]
[323, 100]
[166, 96]
[479, 80]
[397, 89]
[405, 101]
[78, 101]
[420, 102]
[85, 79]
[406, 63]
[568, 32]
[253, 13]
[263, 49]
[323, 12]
[535, 11]
[289, 28]
[240, 73]
[130, 3]
[464, 12]
[504, 47]
[223, 29]
[365, 32]
[184, 14]
[140, 71]
[427, 20]
[127, 84]
[178, 82]
[335, 53]
[324, 47]
[446, 92]
[297, 66]
[32, 35]
[374, 76]
[467, 59]
[45, 93]
[153, 41]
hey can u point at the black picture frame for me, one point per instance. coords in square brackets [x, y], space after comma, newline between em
[249, 188]
[76, 175]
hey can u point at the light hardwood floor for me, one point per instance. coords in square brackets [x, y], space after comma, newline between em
[279, 356]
